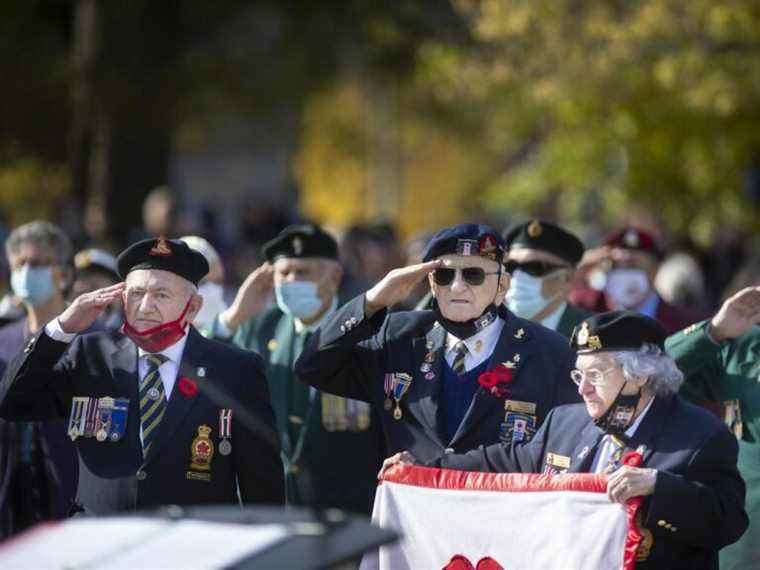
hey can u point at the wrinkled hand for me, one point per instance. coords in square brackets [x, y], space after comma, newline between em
[87, 307]
[251, 298]
[737, 315]
[402, 458]
[396, 286]
[629, 482]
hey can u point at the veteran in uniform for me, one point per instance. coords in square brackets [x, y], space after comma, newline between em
[332, 447]
[465, 373]
[650, 442]
[541, 258]
[721, 360]
[159, 415]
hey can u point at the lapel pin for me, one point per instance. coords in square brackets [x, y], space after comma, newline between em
[584, 452]
[201, 372]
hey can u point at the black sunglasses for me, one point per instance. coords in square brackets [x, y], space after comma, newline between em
[534, 268]
[471, 275]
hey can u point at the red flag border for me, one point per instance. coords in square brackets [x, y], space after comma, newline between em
[449, 479]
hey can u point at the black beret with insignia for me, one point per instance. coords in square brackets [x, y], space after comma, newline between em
[545, 236]
[305, 240]
[164, 254]
[617, 330]
[466, 239]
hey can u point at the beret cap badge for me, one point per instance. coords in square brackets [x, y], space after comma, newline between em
[297, 245]
[535, 229]
[631, 238]
[582, 338]
[161, 248]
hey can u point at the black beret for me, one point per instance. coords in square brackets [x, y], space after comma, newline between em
[538, 234]
[165, 254]
[617, 330]
[466, 239]
[630, 237]
[306, 240]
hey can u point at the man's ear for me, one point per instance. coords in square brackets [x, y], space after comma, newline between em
[196, 302]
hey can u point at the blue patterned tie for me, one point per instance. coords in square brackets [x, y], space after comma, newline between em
[152, 400]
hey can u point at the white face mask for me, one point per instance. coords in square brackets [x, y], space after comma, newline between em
[213, 304]
[298, 299]
[524, 297]
[627, 288]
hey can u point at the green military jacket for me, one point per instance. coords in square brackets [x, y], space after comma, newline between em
[332, 447]
[571, 317]
[729, 374]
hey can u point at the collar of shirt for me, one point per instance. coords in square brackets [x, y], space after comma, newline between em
[650, 305]
[552, 321]
[480, 346]
[168, 369]
[635, 425]
[301, 327]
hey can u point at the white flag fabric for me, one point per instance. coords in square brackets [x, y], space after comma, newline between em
[457, 520]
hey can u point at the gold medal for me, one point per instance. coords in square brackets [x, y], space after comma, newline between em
[397, 414]
[102, 435]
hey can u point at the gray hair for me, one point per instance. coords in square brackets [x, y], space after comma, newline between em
[660, 370]
[45, 235]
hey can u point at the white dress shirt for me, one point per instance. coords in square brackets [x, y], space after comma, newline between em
[480, 346]
[608, 447]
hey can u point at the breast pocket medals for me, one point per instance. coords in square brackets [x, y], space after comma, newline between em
[105, 418]
[225, 431]
[201, 454]
[396, 384]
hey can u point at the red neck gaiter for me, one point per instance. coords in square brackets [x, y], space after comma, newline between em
[159, 337]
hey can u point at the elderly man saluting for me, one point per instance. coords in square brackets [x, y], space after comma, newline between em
[138, 403]
[686, 457]
[425, 371]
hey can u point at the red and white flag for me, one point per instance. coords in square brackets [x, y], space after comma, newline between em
[457, 520]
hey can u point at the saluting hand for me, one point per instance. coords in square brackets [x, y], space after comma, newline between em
[396, 286]
[87, 307]
[401, 458]
[737, 315]
[252, 296]
[629, 482]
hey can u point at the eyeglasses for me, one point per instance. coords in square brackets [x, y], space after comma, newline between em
[594, 376]
[472, 275]
[534, 268]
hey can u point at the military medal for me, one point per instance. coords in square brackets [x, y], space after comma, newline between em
[91, 415]
[401, 384]
[103, 418]
[76, 418]
[225, 430]
[388, 387]
[118, 418]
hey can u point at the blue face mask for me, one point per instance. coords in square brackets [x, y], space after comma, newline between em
[33, 285]
[298, 299]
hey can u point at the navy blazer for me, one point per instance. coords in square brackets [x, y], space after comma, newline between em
[350, 356]
[113, 476]
[698, 502]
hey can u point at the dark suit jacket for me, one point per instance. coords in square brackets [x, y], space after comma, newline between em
[113, 476]
[350, 356]
[698, 502]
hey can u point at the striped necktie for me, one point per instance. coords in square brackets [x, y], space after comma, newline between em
[152, 401]
[459, 357]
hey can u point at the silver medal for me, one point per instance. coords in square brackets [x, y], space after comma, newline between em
[225, 447]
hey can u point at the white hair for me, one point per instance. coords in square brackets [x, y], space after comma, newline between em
[660, 370]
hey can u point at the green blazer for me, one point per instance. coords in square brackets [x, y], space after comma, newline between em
[337, 463]
[729, 373]
[572, 316]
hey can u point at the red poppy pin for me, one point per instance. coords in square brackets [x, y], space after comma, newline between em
[187, 387]
[496, 380]
[632, 458]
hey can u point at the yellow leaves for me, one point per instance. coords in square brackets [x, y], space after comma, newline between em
[23, 181]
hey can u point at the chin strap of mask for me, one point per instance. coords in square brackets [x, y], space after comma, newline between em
[466, 329]
[619, 415]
